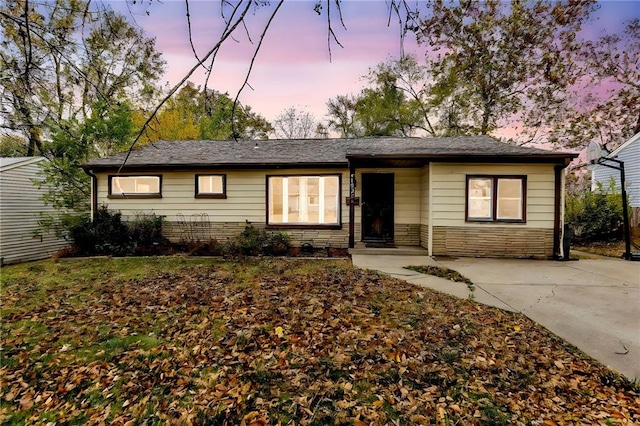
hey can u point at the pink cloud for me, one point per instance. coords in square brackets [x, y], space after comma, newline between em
[293, 66]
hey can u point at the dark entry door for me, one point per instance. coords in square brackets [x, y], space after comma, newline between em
[377, 207]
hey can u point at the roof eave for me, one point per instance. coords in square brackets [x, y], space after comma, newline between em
[196, 166]
[552, 157]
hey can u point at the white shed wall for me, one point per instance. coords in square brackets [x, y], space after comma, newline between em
[20, 212]
[630, 154]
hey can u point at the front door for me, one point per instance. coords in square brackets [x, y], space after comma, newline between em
[377, 207]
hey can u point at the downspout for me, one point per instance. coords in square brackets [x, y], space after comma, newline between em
[557, 208]
[352, 205]
[94, 192]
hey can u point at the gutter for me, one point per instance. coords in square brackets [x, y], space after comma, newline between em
[557, 208]
[94, 192]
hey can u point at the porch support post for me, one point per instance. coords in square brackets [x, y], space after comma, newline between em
[557, 208]
[352, 205]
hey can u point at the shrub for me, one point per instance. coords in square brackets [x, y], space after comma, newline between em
[146, 229]
[595, 215]
[251, 240]
[277, 244]
[106, 234]
[254, 241]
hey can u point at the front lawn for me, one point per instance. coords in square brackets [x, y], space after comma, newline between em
[183, 341]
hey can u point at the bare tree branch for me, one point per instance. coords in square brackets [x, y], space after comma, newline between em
[253, 58]
[193, 49]
[226, 34]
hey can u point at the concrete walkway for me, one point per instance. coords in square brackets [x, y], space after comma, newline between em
[592, 303]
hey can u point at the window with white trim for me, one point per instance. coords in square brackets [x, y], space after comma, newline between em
[135, 186]
[496, 199]
[303, 200]
[211, 186]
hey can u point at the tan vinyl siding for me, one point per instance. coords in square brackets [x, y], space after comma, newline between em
[20, 211]
[246, 195]
[448, 186]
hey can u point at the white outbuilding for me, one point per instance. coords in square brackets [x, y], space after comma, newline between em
[629, 153]
[21, 209]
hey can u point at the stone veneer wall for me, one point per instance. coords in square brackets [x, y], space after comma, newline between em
[424, 236]
[481, 241]
[406, 234]
[221, 231]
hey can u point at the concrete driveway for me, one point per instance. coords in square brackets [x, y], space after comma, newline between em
[592, 303]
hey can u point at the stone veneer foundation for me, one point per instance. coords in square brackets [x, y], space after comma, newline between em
[481, 241]
[222, 231]
[406, 234]
[193, 230]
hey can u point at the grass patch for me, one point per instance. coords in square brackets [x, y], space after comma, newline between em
[442, 272]
[267, 341]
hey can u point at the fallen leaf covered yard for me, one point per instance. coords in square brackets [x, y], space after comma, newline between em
[471, 196]
[175, 340]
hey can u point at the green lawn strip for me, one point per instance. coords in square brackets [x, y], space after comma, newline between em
[442, 272]
[178, 341]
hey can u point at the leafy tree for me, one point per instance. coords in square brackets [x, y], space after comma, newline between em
[500, 61]
[109, 129]
[594, 215]
[70, 71]
[12, 146]
[401, 100]
[63, 56]
[414, 108]
[609, 111]
[196, 113]
[342, 115]
[382, 109]
[294, 124]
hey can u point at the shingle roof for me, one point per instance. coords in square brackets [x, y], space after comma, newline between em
[313, 152]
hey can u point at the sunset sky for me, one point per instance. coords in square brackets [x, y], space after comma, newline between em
[293, 67]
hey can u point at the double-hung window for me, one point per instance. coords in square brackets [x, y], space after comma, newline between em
[303, 200]
[496, 198]
[211, 186]
[139, 186]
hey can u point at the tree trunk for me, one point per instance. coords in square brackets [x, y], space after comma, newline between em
[35, 142]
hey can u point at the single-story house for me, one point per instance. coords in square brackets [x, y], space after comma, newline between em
[21, 207]
[629, 153]
[457, 196]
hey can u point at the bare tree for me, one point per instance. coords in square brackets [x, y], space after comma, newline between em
[295, 124]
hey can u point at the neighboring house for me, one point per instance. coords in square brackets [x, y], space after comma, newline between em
[21, 239]
[462, 196]
[629, 152]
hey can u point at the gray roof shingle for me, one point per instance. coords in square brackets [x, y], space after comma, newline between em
[313, 152]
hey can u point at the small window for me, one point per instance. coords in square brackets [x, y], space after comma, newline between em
[496, 199]
[296, 201]
[211, 186]
[135, 187]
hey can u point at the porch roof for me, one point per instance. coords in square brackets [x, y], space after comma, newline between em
[397, 152]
